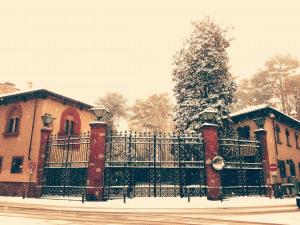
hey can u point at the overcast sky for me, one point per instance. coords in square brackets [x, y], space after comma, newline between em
[84, 49]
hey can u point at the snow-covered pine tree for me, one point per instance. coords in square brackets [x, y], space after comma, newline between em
[202, 78]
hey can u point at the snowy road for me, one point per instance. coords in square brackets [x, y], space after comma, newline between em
[141, 211]
[50, 217]
[11, 215]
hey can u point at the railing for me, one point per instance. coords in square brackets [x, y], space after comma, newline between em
[243, 170]
[240, 153]
[68, 151]
[159, 164]
[133, 149]
[66, 165]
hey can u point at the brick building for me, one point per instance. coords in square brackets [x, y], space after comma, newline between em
[283, 142]
[20, 125]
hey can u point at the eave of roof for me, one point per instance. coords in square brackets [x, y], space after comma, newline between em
[264, 111]
[39, 93]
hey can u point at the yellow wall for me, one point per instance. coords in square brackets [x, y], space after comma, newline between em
[19, 145]
[284, 152]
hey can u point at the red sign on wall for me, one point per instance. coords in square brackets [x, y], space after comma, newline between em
[273, 167]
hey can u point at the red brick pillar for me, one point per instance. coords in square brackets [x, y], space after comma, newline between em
[45, 134]
[261, 136]
[211, 147]
[95, 179]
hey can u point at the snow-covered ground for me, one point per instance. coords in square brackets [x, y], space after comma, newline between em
[272, 211]
[278, 218]
[14, 220]
[151, 203]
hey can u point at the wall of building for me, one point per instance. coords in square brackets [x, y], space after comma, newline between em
[55, 108]
[283, 152]
[11, 146]
[18, 145]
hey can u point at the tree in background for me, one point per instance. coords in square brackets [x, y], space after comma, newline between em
[282, 74]
[254, 91]
[116, 104]
[152, 114]
[279, 82]
[201, 76]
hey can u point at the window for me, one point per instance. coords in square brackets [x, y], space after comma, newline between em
[292, 167]
[287, 135]
[66, 130]
[17, 165]
[13, 120]
[281, 165]
[297, 140]
[244, 132]
[13, 125]
[1, 160]
[69, 127]
[277, 134]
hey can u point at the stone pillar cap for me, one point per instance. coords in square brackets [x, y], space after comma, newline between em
[209, 125]
[97, 122]
[260, 130]
[46, 129]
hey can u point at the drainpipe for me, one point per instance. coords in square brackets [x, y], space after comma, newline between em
[32, 130]
[272, 116]
[277, 188]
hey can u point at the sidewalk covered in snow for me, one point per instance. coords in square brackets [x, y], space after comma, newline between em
[151, 203]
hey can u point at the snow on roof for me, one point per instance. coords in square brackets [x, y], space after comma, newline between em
[249, 109]
[20, 92]
[51, 93]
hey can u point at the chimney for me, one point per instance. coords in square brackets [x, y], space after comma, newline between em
[7, 88]
[29, 84]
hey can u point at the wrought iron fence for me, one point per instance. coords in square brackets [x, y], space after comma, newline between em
[243, 171]
[66, 165]
[145, 164]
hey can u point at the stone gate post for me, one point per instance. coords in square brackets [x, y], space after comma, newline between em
[95, 178]
[261, 136]
[211, 148]
[45, 134]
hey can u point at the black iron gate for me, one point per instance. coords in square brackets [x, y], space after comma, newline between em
[243, 173]
[145, 164]
[66, 165]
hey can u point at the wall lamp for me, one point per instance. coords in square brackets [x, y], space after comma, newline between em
[47, 119]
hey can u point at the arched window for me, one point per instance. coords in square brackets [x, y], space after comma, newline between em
[13, 118]
[70, 123]
[277, 134]
[287, 135]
